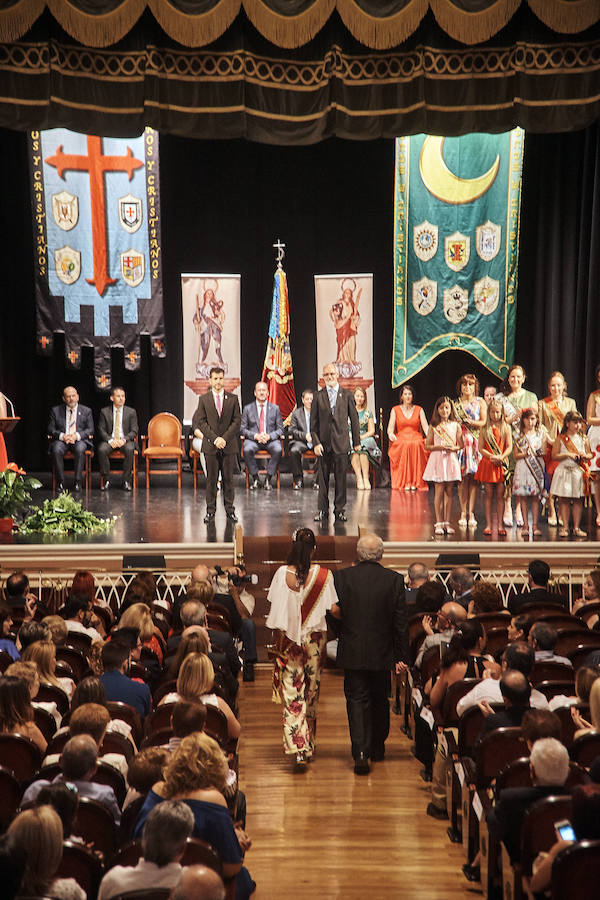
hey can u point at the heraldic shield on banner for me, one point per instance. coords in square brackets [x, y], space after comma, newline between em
[450, 193]
[103, 289]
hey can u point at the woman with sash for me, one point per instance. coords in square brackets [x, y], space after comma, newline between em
[529, 475]
[444, 440]
[514, 399]
[571, 480]
[471, 412]
[593, 420]
[495, 445]
[300, 595]
[552, 410]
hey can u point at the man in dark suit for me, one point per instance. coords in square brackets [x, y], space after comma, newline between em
[300, 438]
[117, 430]
[334, 407]
[262, 428]
[372, 612]
[217, 423]
[71, 427]
[538, 576]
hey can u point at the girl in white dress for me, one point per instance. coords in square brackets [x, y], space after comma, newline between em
[528, 479]
[570, 481]
[593, 419]
[444, 440]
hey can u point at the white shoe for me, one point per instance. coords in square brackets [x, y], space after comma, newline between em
[472, 521]
[462, 521]
[519, 519]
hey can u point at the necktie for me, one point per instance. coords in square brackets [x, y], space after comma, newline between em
[219, 405]
[331, 399]
[117, 424]
[261, 421]
[71, 428]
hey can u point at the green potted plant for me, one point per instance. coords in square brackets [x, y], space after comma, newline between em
[15, 497]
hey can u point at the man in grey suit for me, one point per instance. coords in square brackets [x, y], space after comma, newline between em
[262, 428]
[71, 427]
[334, 407]
[117, 430]
[299, 431]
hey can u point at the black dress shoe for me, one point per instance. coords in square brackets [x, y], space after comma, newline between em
[105, 486]
[126, 486]
[268, 485]
[209, 517]
[361, 765]
[254, 484]
[77, 486]
[248, 672]
[321, 516]
[60, 487]
[436, 812]
[232, 516]
[341, 517]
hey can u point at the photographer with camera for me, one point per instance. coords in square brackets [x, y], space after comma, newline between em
[230, 592]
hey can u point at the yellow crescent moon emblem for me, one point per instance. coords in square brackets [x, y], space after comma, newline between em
[444, 184]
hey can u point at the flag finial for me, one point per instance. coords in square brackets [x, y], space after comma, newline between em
[280, 252]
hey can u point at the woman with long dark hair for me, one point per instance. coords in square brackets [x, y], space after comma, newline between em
[300, 594]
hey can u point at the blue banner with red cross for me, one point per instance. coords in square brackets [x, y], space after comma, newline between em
[97, 245]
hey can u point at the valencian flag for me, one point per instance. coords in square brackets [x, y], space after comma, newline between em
[456, 237]
[96, 220]
[277, 370]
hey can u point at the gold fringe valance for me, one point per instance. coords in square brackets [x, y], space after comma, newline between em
[214, 17]
[568, 18]
[382, 32]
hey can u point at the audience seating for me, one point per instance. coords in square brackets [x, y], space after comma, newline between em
[552, 689]
[567, 724]
[550, 671]
[82, 864]
[5, 660]
[572, 640]
[162, 690]
[45, 721]
[76, 659]
[10, 797]
[576, 871]
[129, 817]
[157, 738]
[496, 641]
[111, 777]
[579, 656]
[155, 894]
[114, 742]
[20, 756]
[50, 693]
[82, 642]
[94, 822]
[585, 749]
[160, 718]
[128, 714]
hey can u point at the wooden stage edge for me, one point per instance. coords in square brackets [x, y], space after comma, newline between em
[183, 556]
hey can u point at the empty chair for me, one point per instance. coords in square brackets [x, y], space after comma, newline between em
[10, 797]
[163, 443]
[82, 864]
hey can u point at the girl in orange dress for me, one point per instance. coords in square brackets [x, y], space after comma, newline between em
[495, 446]
[406, 432]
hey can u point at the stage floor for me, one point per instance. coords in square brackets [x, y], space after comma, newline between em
[164, 515]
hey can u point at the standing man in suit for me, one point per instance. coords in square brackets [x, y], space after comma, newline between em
[262, 427]
[373, 640]
[217, 422]
[300, 434]
[71, 427]
[335, 406]
[117, 430]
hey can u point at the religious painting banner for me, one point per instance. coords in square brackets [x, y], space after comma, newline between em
[457, 207]
[344, 315]
[98, 257]
[210, 313]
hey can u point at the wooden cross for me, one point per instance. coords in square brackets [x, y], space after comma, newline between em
[280, 252]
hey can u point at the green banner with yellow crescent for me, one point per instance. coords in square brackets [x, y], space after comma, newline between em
[457, 204]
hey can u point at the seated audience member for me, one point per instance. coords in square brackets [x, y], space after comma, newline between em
[430, 597]
[164, 836]
[129, 637]
[186, 718]
[93, 719]
[118, 686]
[19, 596]
[43, 654]
[197, 774]
[71, 427]
[193, 612]
[78, 763]
[58, 629]
[16, 711]
[12, 866]
[28, 672]
[85, 583]
[543, 638]
[39, 833]
[519, 627]
[65, 803]
[549, 766]
[583, 726]
[198, 883]
[30, 632]
[585, 819]
[195, 684]
[417, 575]
[262, 429]
[145, 769]
[195, 640]
[460, 585]
[516, 693]
[584, 679]
[77, 613]
[449, 616]
[485, 597]
[138, 591]
[117, 430]
[91, 690]
[540, 723]
[517, 656]
[138, 616]
[6, 642]
[462, 659]
[591, 594]
[538, 575]
[300, 438]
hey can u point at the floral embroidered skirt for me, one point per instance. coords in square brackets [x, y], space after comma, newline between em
[297, 678]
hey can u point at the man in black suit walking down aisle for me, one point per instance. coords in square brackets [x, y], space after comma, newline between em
[329, 423]
[217, 422]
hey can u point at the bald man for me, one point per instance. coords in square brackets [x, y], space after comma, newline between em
[198, 883]
[449, 616]
[372, 612]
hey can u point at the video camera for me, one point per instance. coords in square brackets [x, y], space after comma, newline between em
[237, 580]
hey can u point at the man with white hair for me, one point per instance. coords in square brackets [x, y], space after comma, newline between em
[549, 766]
[372, 611]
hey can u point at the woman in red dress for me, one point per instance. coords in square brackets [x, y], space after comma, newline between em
[3, 456]
[406, 431]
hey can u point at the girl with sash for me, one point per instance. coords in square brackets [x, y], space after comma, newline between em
[571, 479]
[471, 412]
[444, 440]
[552, 410]
[529, 475]
[495, 445]
[514, 399]
[593, 419]
[300, 594]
